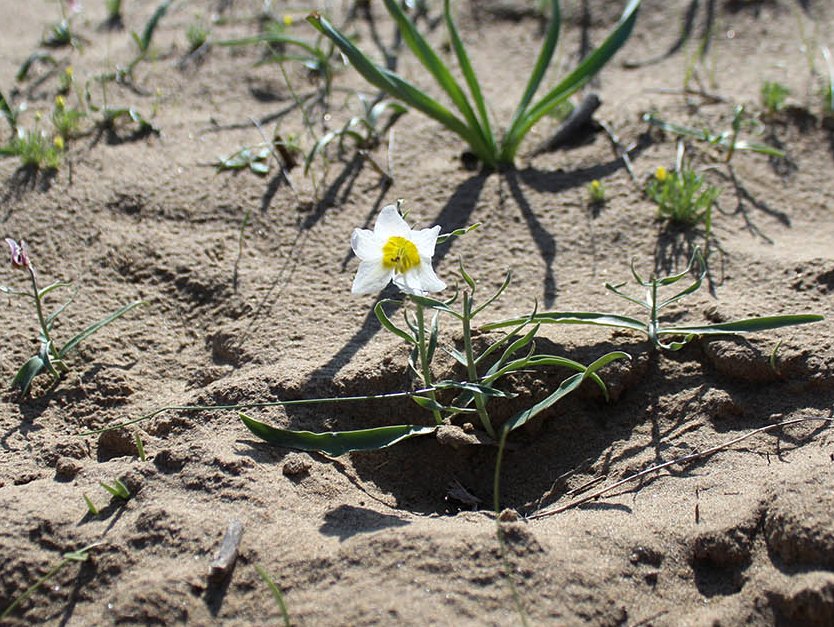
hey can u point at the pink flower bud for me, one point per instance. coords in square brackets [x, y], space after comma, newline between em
[20, 255]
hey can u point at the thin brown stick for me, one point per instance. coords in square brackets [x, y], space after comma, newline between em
[680, 460]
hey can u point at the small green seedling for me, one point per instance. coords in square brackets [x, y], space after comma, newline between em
[114, 14]
[474, 126]
[828, 89]
[773, 96]
[117, 489]
[726, 141]
[81, 555]
[255, 158]
[34, 58]
[9, 113]
[196, 35]
[653, 304]
[140, 446]
[91, 507]
[682, 196]
[276, 594]
[35, 149]
[282, 48]
[365, 131]
[50, 358]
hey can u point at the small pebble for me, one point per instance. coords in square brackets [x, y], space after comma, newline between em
[67, 468]
[296, 464]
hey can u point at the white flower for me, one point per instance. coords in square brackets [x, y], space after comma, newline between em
[395, 252]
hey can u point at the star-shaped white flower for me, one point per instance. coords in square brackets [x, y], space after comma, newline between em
[395, 252]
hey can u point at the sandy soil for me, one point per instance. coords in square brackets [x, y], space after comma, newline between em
[744, 536]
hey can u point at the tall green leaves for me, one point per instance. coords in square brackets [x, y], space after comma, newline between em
[474, 126]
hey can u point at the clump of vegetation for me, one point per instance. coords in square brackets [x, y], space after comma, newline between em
[773, 96]
[50, 358]
[475, 127]
[682, 196]
[727, 141]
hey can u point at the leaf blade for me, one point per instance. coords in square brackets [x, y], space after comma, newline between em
[335, 443]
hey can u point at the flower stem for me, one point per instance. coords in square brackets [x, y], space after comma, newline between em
[424, 360]
[38, 307]
[471, 369]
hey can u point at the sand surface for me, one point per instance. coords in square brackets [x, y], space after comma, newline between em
[745, 536]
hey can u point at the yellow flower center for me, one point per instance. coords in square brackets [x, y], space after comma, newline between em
[400, 255]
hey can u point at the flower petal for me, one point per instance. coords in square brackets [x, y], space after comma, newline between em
[420, 281]
[428, 279]
[366, 245]
[425, 240]
[390, 223]
[371, 277]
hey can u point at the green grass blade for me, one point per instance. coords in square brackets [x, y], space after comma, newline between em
[335, 443]
[274, 38]
[573, 317]
[74, 342]
[7, 112]
[401, 89]
[276, 594]
[551, 38]
[434, 64]
[749, 325]
[762, 149]
[469, 74]
[150, 27]
[592, 64]
[567, 386]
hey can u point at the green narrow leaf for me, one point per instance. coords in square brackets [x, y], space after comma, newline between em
[150, 27]
[31, 369]
[469, 74]
[8, 113]
[457, 356]
[748, 325]
[433, 303]
[90, 505]
[507, 279]
[551, 38]
[444, 237]
[74, 342]
[426, 403]
[118, 489]
[53, 286]
[574, 317]
[514, 347]
[465, 275]
[335, 443]
[434, 64]
[276, 594]
[385, 321]
[401, 89]
[567, 386]
[586, 70]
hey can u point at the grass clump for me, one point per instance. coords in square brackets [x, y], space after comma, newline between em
[773, 96]
[471, 122]
[682, 196]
